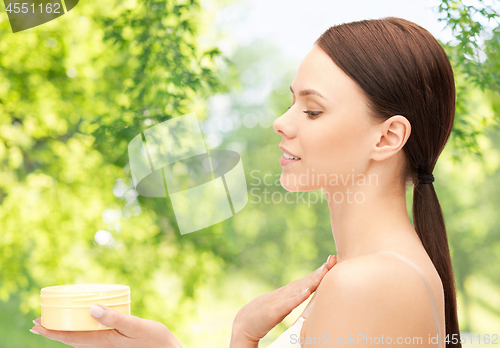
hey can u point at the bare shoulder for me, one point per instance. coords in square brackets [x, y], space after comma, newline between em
[372, 295]
[376, 270]
[370, 277]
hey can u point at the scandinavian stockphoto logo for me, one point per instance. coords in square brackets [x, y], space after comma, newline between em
[26, 14]
[204, 188]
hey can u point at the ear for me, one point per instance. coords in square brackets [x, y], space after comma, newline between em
[392, 135]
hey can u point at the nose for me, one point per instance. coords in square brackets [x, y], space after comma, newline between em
[285, 126]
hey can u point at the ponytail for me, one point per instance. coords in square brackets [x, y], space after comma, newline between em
[429, 224]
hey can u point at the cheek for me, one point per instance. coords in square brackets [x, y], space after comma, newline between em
[335, 147]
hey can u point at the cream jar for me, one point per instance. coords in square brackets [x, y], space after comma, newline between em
[66, 307]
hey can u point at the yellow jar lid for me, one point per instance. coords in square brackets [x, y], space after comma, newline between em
[84, 295]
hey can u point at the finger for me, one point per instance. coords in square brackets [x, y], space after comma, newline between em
[126, 324]
[319, 272]
[72, 337]
[293, 302]
[38, 321]
[331, 261]
[310, 281]
[313, 280]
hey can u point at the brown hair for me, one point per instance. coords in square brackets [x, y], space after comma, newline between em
[403, 70]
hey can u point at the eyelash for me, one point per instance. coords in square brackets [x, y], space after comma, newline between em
[312, 114]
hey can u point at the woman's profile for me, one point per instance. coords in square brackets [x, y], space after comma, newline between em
[373, 107]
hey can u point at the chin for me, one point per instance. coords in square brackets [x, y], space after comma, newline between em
[289, 186]
[292, 185]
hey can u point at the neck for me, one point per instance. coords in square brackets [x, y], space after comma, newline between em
[369, 218]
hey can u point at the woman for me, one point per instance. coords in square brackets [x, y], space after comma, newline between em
[373, 107]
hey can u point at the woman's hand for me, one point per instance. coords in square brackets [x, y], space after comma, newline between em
[259, 316]
[129, 331]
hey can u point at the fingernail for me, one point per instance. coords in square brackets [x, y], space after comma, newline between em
[304, 291]
[36, 333]
[321, 269]
[328, 259]
[96, 311]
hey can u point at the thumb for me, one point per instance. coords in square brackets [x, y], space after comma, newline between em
[109, 317]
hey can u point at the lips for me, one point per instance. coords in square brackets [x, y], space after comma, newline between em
[288, 154]
[285, 161]
[288, 157]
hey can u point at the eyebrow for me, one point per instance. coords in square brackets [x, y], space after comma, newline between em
[305, 92]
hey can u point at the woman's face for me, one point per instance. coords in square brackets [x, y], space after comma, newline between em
[334, 140]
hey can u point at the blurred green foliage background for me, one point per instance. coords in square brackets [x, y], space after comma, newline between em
[75, 91]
